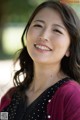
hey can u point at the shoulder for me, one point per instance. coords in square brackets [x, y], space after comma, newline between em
[66, 100]
[69, 87]
[6, 99]
[69, 90]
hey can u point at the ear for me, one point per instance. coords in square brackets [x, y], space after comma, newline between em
[67, 53]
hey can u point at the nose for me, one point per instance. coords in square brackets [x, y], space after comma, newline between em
[45, 35]
[42, 38]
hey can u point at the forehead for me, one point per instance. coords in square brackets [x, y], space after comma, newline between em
[48, 14]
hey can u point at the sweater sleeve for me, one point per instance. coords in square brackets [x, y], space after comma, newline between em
[6, 99]
[72, 103]
[65, 104]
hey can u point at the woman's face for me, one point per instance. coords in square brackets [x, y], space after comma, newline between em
[48, 40]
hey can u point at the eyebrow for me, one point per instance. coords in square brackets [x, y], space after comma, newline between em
[59, 26]
[39, 21]
[56, 25]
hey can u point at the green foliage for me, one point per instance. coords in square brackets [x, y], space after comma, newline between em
[17, 10]
[76, 7]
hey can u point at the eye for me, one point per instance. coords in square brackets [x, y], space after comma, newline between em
[58, 31]
[38, 25]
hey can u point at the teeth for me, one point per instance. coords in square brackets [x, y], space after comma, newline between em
[42, 47]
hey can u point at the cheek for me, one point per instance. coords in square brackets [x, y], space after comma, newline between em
[29, 38]
[62, 43]
[34, 33]
[65, 41]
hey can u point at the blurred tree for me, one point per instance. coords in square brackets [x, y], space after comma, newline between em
[0, 27]
[15, 10]
[1, 24]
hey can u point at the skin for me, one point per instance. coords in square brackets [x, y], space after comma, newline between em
[47, 43]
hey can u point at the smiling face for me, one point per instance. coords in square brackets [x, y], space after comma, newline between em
[48, 40]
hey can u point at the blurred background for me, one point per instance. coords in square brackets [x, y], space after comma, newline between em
[14, 15]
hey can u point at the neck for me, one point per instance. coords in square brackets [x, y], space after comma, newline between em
[45, 76]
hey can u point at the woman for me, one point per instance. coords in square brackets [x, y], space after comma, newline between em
[50, 65]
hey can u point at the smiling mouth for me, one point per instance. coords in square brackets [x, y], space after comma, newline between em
[42, 47]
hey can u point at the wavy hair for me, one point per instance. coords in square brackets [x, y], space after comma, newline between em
[70, 65]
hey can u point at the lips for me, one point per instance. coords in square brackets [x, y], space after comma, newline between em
[42, 47]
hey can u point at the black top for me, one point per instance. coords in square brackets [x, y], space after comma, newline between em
[37, 110]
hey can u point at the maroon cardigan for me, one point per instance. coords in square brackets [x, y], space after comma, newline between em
[64, 105]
